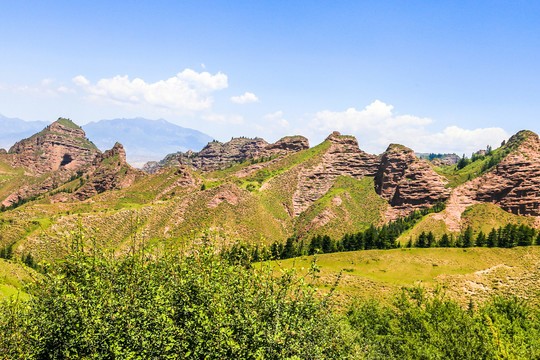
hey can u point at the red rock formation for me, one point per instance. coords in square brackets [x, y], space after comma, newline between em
[218, 155]
[514, 184]
[407, 182]
[60, 145]
[343, 158]
[109, 171]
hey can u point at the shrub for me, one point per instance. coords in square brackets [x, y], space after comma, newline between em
[175, 306]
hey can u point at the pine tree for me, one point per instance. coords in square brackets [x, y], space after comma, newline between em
[445, 241]
[481, 239]
[422, 240]
[468, 237]
[289, 250]
[492, 239]
[430, 240]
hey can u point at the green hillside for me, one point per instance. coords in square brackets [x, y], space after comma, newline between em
[476, 273]
[349, 206]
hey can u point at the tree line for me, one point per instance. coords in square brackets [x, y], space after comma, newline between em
[383, 238]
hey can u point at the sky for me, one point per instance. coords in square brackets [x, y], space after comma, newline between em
[437, 76]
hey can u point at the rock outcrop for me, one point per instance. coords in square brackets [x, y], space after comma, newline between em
[514, 184]
[343, 158]
[217, 155]
[60, 145]
[109, 171]
[407, 182]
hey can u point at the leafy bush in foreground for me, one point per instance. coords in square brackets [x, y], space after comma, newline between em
[194, 306]
[418, 326]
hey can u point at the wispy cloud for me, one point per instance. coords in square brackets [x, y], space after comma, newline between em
[276, 119]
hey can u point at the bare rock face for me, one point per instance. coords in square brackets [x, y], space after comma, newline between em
[286, 145]
[116, 151]
[514, 184]
[407, 182]
[343, 157]
[217, 155]
[151, 167]
[60, 145]
[109, 171]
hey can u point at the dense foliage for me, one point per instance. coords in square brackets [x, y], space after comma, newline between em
[418, 326]
[195, 306]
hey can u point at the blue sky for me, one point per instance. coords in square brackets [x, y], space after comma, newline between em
[432, 75]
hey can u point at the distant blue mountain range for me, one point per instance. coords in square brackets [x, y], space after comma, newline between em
[143, 139]
[14, 129]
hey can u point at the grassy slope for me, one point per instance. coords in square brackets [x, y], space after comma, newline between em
[475, 169]
[349, 206]
[465, 273]
[486, 216]
[481, 217]
[427, 224]
[13, 276]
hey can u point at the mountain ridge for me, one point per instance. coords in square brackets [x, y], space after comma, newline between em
[248, 189]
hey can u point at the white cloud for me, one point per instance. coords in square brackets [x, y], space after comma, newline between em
[80, 81]
[467, 140]
[377, 125]
[188, 90]
[246, 98]
[277, 118]
[65, 90]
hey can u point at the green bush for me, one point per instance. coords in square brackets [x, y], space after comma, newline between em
[195, 306]
[418, 326]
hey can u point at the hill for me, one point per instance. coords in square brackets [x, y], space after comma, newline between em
[250, 191]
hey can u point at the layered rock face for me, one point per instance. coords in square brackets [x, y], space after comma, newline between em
[217, 155]
[343, 157]
[109, 171]
[407, 182]
[514, 184]
[60, 145]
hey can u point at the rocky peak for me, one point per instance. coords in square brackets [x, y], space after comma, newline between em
[394, 162]
[62, 144]
[288, 144]
[109, 171]
[117, 150]
[407, 182]
[3, 151]
[523, 139]
[343, 158]
[514, 184]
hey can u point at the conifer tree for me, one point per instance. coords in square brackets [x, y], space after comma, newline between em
[492, 239]
[445, 241]
[468, 240]
[430, 240]
[481, 239]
